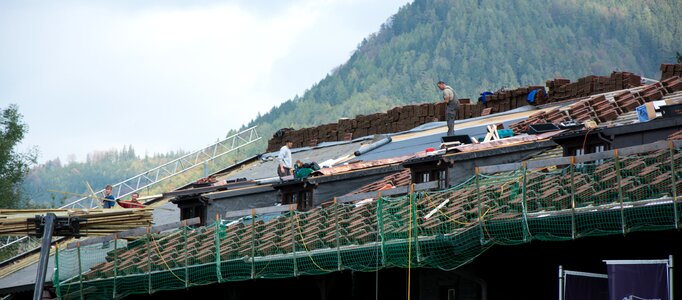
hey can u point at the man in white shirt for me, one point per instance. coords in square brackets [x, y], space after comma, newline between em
[284, 159]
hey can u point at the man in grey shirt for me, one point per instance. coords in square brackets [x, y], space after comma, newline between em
[450, 98]
[284, 159]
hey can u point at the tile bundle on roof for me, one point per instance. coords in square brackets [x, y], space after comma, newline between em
[505, 100]
[675, 136]
[670, 70]
[406, 117]
[401, 178]
[563, 89]
[397, 119]
[600, 108]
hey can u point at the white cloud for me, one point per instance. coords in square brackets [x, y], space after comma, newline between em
[165, 76]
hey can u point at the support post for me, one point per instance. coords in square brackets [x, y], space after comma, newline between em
[338, 241]
[149, 260]
[561, 282]
[55, 279]
[184, 238]
[380, 225]
[620, 191]
[115, 264]
[293, 238]
[674, 184]
[217, 248]
[478, 201]
[48, 227]
[524, 204]
[80, 270]
[671, 292]
[413, 204]
[573, 225]
[253, 243]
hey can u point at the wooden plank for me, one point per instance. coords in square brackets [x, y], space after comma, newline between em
[536, 164]
[499, 168]
[262, 210]
[372, 195]
[136, 232]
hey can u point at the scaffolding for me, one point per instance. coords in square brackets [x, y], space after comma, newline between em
[615, 192]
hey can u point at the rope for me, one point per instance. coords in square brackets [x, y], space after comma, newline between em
[156, 247]
[428, 198]
[298, 225]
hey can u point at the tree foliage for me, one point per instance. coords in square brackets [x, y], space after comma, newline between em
[14, 165]
[479, 45]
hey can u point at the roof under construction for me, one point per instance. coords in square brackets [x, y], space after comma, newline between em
[371, 211]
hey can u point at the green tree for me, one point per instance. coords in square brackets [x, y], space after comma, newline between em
[14, 165]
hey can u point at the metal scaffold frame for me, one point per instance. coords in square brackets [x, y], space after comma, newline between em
[158, 174]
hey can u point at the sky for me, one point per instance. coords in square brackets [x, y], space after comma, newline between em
[166, 75]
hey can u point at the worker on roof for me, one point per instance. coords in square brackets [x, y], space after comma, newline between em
[109, 200]
[132, 203]
[284, 158]
[450, 99]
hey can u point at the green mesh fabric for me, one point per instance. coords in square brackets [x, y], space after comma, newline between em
[439, 229]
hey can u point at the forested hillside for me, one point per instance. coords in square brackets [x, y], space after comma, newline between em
[99, 169]
[474, 45]
[479, 45]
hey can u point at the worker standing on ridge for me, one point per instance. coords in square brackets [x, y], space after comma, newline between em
[450, 99]
[284, 158]
[111, 202]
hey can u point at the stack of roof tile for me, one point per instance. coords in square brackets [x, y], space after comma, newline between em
[670, 70]
[505, 100]
[397, 119]
[401, 178]
[563, 89]
[600, 109]
[407, 117]
[672, 84]
[677, 135]
[652, 92]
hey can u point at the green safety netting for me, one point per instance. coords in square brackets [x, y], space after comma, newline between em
[441, 229]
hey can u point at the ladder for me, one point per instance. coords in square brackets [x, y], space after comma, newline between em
[158, 174]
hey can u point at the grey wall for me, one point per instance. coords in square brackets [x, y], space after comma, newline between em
[326, 191]
[255, 200]
[464, 169]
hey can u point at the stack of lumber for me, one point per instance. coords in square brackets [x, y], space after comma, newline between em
[95, 221]
[670, 70]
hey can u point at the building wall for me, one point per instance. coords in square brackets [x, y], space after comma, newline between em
[257, 200]
[464, 169]
[328, 190]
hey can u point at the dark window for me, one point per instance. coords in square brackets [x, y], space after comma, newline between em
[592, 148]
[193, 212]
[441, 176]
[442, 179]
[303, 199]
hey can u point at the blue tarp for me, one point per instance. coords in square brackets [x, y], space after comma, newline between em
[484, 95]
